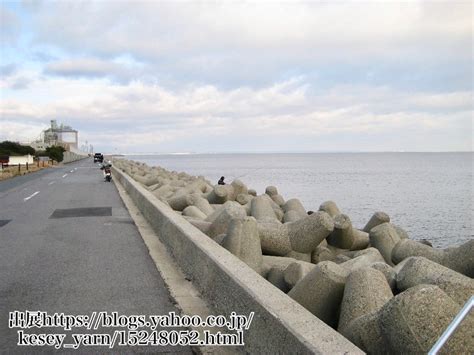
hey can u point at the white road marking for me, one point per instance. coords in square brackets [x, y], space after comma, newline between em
[64, 175]
[75, 168]
[27, 198]
[71, 171]
[52, 182]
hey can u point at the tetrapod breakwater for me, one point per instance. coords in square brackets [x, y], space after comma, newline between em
[317, 283]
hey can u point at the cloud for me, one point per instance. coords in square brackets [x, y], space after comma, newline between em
[24, 132]
[231, 44]
[7, 70]
[252, 76]
[138, 115]
[9, 26]
[89, 68]
[20, 83]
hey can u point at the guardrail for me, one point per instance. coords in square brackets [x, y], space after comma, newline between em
[452, 327]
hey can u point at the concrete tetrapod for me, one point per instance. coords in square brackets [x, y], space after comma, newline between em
[293, 210]
[376, 219]
[388, 272]
[243, 241]
[243, 199]
[307, 233]
[221, 218]
[419, 270]
[276, 208]
[321, 291]
[365, 332]
[292, 216]
[201, 203]
[278, 199]
[361, 239]
[274, 239]
[219, 194]
[363, 258]
[341, 237]
[384, 237]
[193, 211]
[401, 232]
[164, 191]
[322, 253]
[330, 208]
[222, 193]
[197, 186]
[366, 291]
[295, 272]
[262, 209]
[460, 259]
[272, 191]
[146, 180]
[294, 205]
[299, 256]
[203, 226]
[239, 188]
[406, 248]
[341, 258]
[412, 322]
[302, 236]
[276, 277]
[279, 262]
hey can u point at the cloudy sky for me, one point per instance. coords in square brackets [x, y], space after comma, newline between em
[240, 76]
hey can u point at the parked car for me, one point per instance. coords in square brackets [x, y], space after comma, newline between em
[98, 157]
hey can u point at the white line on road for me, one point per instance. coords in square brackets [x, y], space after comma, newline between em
[52, 182]
[64, 175]
[27, 198]
[71, 171]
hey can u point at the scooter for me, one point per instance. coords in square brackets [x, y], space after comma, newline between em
[107, 171]
[108, 174]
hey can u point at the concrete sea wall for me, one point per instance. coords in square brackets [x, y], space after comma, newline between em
[70, 157]
[316, 283]
[280, 325]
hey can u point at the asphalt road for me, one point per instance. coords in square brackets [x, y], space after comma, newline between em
[68, 245]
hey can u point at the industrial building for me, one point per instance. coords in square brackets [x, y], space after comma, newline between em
[61, 135]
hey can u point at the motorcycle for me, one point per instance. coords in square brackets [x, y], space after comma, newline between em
[107, 171]
[108, 174]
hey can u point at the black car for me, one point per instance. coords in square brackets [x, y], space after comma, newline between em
[98, 157]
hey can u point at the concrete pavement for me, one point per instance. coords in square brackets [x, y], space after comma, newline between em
[68, 244]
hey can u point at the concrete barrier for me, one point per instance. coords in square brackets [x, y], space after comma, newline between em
[280, 325]
[69, 157]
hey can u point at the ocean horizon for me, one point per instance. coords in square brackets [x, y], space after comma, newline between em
[429, 194]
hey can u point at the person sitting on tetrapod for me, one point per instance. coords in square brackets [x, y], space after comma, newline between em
[221, 181]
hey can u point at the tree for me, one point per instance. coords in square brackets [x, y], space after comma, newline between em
[13, 148]
[56, 152]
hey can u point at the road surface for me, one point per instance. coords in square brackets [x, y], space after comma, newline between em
[68, 245]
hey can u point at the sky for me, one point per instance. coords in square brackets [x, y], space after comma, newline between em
[240, 76]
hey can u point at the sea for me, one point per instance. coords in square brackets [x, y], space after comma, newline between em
[430, 195]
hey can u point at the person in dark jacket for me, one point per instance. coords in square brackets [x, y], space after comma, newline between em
[221, 181]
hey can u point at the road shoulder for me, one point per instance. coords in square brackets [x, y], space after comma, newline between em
[185, 296]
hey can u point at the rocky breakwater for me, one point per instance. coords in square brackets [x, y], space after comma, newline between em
[383, 291]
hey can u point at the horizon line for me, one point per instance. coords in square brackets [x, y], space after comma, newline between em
[289, 152]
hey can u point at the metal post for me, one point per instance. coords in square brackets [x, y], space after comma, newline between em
[26, 166]
[19, 167]
[452, 327]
